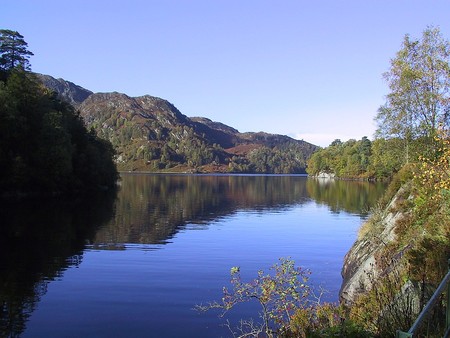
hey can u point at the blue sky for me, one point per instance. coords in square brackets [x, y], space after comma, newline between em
[308, 69]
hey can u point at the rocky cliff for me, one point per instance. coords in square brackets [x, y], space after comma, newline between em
[401, 254]
[66, 90]
[364, 262]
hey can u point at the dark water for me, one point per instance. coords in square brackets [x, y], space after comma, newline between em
[136, 263]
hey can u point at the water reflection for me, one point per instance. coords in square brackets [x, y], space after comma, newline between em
[151, 209]
[39, 239]
[355, 197]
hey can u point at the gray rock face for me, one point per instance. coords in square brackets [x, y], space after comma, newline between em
[142, 110]
[361, 260]
[66, 90]
[215, 125]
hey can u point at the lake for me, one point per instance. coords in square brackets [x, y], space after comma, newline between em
[134, 263]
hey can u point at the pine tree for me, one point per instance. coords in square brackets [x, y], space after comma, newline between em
[13, 50]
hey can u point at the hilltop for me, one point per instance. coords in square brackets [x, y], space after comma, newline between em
[67, 91]
[151, 134]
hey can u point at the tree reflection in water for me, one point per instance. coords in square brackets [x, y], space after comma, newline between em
[349, 196]
[150, 209]
[39, 240]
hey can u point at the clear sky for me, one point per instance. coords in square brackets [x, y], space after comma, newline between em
[308, 69]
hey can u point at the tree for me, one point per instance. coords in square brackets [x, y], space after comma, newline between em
[419, 98]
[337, 142]
[386, 158]
[13, 50]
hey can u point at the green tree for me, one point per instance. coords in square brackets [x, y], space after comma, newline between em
[364, 151]
[419, 98]
[386, 157]
[13, 50]
[336, 142]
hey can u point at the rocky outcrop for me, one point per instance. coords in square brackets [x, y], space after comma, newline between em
[66, 90]
[363, 259]
[215, 125]
[143, 109]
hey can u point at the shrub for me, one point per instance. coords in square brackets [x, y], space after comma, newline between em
[289, 307]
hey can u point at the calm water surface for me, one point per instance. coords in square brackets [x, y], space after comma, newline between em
[136, 263]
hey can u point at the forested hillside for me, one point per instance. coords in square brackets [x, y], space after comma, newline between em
[151, 134]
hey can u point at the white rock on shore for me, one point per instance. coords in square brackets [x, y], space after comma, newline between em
[326, 175]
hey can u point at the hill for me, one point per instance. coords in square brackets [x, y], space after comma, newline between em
[151, 134]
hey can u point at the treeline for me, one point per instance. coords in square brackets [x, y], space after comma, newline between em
[44, 144]
[363, 159]
[182, 146]
[285, 158]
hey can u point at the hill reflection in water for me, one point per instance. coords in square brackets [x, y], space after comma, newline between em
[150, 209]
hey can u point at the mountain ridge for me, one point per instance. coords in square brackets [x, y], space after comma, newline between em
[150, 134]
[67, 91]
